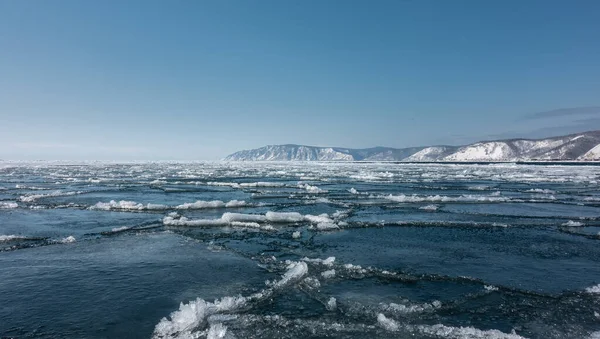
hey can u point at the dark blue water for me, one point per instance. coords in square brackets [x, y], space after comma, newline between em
[297, 250]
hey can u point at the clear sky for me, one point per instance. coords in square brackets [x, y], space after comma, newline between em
[197, 80]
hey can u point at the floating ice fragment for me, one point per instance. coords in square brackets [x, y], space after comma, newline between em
[593, 289]
[417, 308]
[193, 316]
[463, 332]
[10, 237]
[572, 223]
[311, 189]
[284, 216]
[312, 282]
[216, 331]
[331, 304]
[327, 262]
[386, 323]
[69, 239]
[490, 288]
[328, 274]
[126, 205]
[8, 205]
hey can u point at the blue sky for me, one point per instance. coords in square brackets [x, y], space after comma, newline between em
[197, 80]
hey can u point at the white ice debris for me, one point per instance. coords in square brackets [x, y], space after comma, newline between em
[593, 289]
[541, 190]
[312, 282]
[158, 182]
[10, 237]
[246, 184]
[490, 288]
[217, 331]
[8, 205]
[284, 217]
[322, 222]
[68, 240]
[311, 189]
[594, 335]
[34, 197]
[331, 304]
[200, 204]
[295, 270]
[440, 198]
[416, 308]
[126, 205]
[194, 315]
[326, 262]
[386, 323]
[326, 226]
[443, 331]
[328, 274]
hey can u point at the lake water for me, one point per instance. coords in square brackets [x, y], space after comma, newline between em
[299, 250]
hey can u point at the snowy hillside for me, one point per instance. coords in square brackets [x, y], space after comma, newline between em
[582, 146]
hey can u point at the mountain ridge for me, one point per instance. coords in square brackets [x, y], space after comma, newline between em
[584, 146]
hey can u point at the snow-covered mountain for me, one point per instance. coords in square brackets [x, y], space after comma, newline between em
[306, 153]
[581, 146]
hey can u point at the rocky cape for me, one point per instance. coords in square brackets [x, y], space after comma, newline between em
[583, 146]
